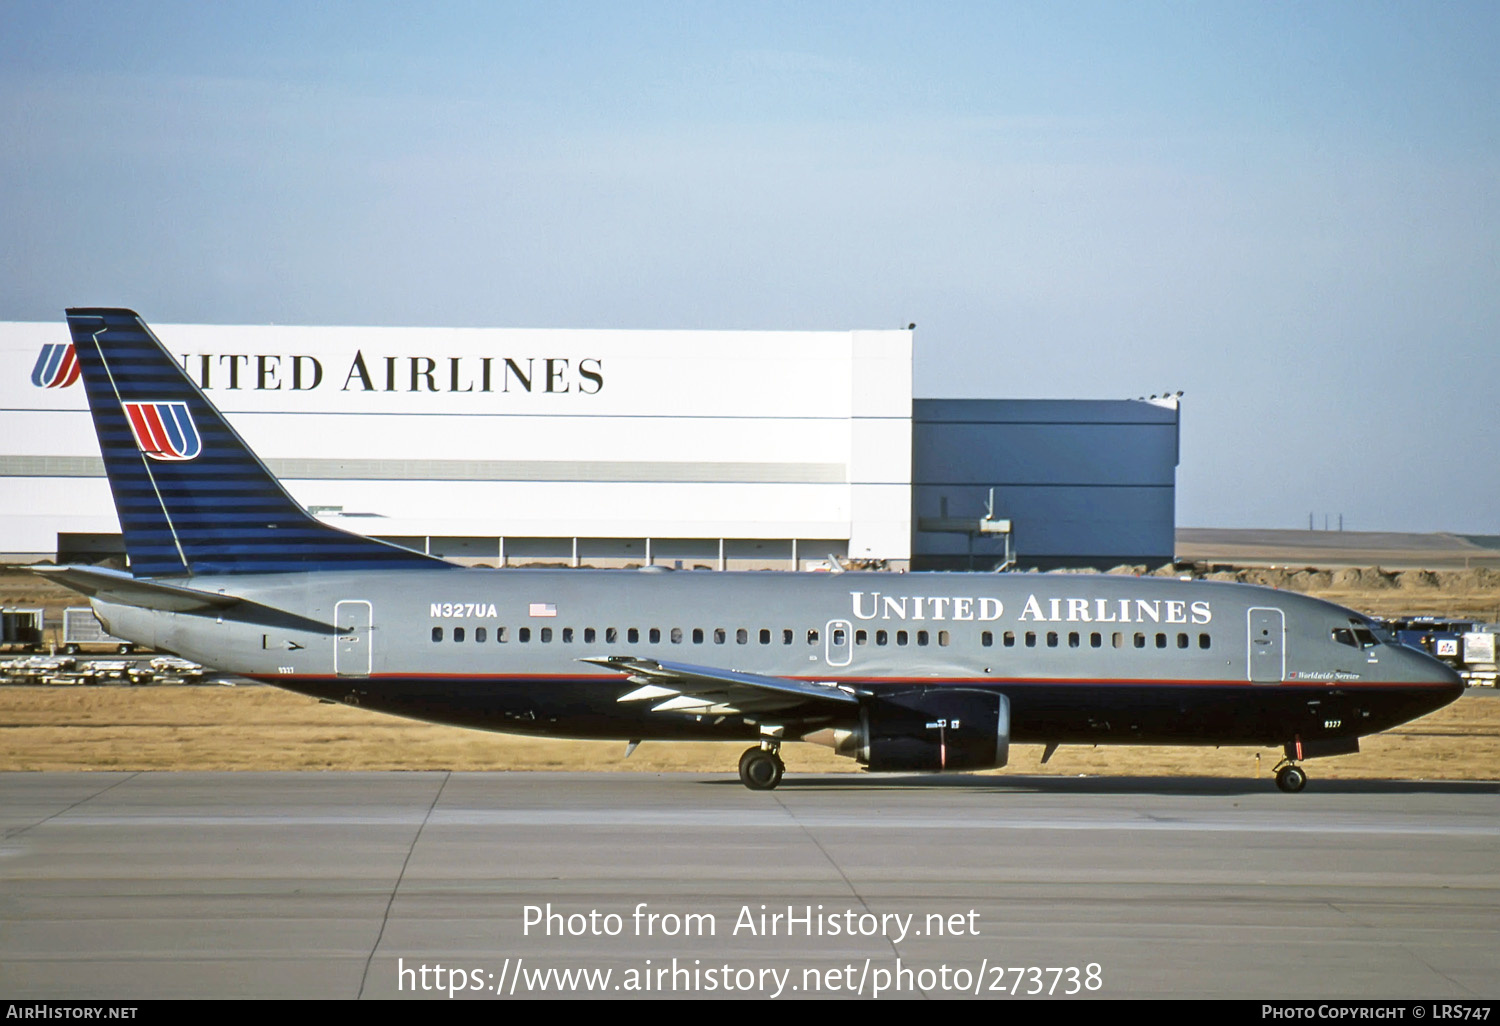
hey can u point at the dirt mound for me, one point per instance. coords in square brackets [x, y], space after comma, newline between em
[1265, 577]
[1310, 580]
[1367, 578]
[1414, 579]
[1478, 579]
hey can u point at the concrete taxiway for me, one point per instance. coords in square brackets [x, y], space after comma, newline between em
[156, 885]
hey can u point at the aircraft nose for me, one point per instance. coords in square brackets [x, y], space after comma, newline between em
[1428, 670]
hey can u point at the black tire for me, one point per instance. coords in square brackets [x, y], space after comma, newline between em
[1291, 779]
[760, 770]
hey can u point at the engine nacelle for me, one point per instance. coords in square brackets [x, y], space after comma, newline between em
[934, 729]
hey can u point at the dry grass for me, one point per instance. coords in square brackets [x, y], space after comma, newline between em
[263, 728]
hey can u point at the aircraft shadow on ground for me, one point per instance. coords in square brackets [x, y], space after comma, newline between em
[1208, 786]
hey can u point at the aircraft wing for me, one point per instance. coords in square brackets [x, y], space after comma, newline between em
[685, 688]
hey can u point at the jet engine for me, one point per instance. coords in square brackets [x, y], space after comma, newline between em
[927, 729]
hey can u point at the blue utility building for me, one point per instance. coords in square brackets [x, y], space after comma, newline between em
[1083, 482]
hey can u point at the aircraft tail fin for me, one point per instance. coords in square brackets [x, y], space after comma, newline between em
[191, 496]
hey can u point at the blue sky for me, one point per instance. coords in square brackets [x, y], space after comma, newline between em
[1290, 211]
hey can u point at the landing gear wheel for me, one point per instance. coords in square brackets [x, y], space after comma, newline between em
[760, 770]
[1291, 779]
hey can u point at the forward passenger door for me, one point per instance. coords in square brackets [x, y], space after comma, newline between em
[1267, 645]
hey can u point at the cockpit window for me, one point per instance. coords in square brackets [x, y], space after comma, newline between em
[1369, 634]
[1360, 634]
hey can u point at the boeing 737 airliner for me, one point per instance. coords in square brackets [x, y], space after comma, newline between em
[910, 672]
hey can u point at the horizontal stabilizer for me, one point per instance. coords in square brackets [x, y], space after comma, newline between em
[123, 589]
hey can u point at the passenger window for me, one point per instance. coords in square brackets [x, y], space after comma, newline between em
[437, 634]
[654, 635]
[765, 636]
[567, 635]
[1203, 641]
[502, 634]
[1031, 639]
[987, 638]
[1161, 641]
[921, 637]
[611, 635]
[1096, 640]
[1010, 639]
[786, 636]
[697, 635]
[1140, 640]
[633, 635]
[480, 635]
[942, 638]
[1117, 640]
[1073, 639]
[741, 636]
[1051, 639]
[861, 637]
[1182, 641]
[676, 635]
[881, 637]
[838, 637]
[546, 635]
[900, 637]
[719, 635]
[524, 634]
[458, 634]
[589, 634]
[812, 636]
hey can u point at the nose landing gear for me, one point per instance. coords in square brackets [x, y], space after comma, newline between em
[1290, 777]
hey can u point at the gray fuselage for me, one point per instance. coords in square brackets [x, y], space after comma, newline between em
[1080, 658]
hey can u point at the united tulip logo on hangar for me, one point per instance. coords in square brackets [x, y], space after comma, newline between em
[57, 367]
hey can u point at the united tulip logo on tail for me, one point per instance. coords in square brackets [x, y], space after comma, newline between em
[164, 431]
[56, 366]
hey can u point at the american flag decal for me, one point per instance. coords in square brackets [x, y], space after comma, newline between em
[56, 366]
[543, 609]
[164, 431]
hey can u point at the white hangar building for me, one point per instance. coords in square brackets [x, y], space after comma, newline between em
[720, 449]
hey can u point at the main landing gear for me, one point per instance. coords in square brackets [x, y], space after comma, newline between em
[761, 768]
[1290, 777]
